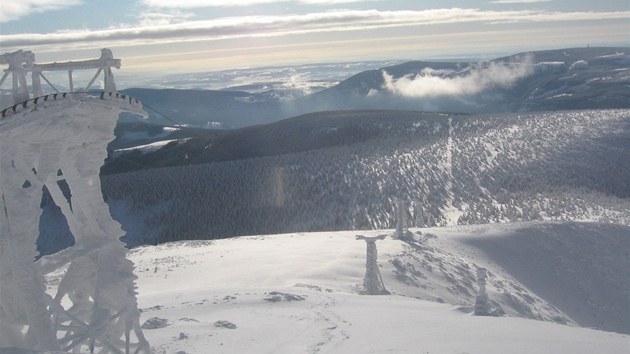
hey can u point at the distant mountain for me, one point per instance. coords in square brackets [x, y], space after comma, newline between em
[308, 77]
[344, 171]
[577, 78]
[212, 108]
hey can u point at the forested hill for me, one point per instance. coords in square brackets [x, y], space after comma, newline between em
[304, 133]
[447, 169]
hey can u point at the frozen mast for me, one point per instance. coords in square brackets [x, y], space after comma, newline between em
[44, 141]
[373, 282]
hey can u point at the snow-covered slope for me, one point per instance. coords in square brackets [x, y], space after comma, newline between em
[343, 170]
[300, 293]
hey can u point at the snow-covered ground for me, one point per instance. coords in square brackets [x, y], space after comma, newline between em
[301, 293]
[148, 147]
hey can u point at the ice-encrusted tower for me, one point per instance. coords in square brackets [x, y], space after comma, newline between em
[45, 141]
[372, 282]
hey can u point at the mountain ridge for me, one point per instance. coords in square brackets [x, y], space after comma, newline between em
[562, 79]
[303, 133]
[551, 71]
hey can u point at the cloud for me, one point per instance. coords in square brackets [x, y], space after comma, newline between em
[431, 83]
[204, 3]
[154, 32]
[333, 2]
[517, 1]
[148, 19]
[236, 3]
[14, 9]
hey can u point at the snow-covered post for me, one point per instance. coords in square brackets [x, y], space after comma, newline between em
[430, 220]
[401, 219]
[19, 63]
[482, 307]
[106, 58]
[419, 214]
[373, 282]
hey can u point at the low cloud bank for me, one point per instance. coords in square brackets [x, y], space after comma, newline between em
[433, 83]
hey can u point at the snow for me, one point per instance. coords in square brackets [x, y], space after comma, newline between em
[301, 292]
[616, 55]
[451, 213]
[551, 63]
[558, 96]
[149, 147]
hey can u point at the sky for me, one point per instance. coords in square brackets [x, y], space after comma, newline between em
[174, 36]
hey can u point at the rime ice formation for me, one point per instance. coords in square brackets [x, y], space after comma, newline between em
[44, 141]
[401, 219]
[23, 62]
[481, 301]
[373, 282]
[483, 305]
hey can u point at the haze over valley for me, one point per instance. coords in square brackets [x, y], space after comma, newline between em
[564, 79]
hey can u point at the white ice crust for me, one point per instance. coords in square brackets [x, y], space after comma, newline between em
[41, 143]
